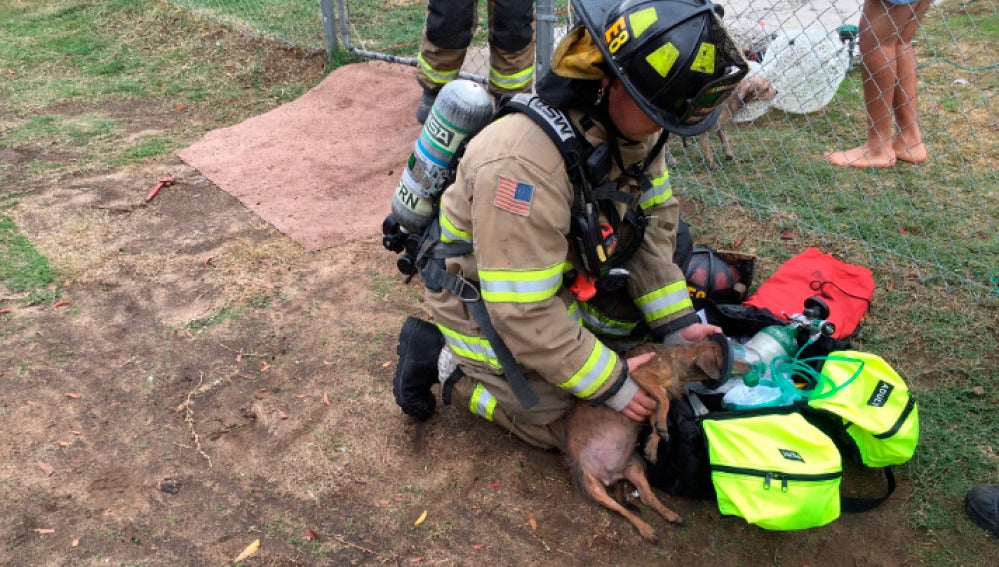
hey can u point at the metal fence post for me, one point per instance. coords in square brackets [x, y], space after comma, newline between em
[329, 27]
[544, 14]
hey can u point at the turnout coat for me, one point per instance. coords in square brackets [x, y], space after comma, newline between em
[511, 199]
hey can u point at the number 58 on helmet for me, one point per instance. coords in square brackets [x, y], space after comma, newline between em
[675, 57]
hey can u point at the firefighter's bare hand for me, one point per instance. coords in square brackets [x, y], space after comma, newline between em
[642, 404]
[640, 407]
[698, 332]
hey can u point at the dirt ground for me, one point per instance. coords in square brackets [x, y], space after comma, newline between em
[204, 383]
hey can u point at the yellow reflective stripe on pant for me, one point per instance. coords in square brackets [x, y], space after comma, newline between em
[604, 325]
[665, 301]
[482, 403]
[520, 286]
[470, 347]
[597, 369]
[438, 77]
[451, 233]
[515, 82]
[660, 192]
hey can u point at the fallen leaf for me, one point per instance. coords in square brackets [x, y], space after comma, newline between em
[248, 552]
[239, 358]
[181, 107]
[902, 231]
[326, 399]
[387, 364]
[264, 365]
[44, 531]
[73, 395]
[60, 304]
[4, 310]
[400, 499]
[74, 432]
[416, 560]
[181, 407]
[383, 502]
[478, 546]
[75, 543]
[46, 468]
[494, 484]
[532, 521]
[422, 517]
[64, 443]
[282, 415]
[326, 362]
[301, 396]
[787, 236]
[311, 535]
[738, 243]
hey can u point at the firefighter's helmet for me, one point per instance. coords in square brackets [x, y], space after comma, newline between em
[674, 57]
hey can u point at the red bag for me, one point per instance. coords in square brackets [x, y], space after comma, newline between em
[846, 288]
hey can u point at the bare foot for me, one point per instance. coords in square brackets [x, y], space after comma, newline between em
[912, 153]
[862, 156]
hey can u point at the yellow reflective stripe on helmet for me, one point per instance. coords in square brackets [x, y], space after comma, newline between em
[662, 59]
[513, 82]
[520, 286]
[450, 233]
[660, 192]
[482, 403]
[470, 347]
[595, 371]
[705, 60]
[439, 77]
[600, 323]
[665, 301]
[642, 20]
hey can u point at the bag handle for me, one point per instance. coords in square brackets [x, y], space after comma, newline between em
[854, 504]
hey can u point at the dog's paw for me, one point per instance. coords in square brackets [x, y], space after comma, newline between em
[662, 430]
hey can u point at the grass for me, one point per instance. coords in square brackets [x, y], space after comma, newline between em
[22, 269]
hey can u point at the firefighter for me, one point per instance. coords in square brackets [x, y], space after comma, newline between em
[448, 33]
[631, 72]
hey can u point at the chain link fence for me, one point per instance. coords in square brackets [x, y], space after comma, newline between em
[936, 221]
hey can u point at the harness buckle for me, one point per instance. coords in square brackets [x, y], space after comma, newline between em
[467, 291]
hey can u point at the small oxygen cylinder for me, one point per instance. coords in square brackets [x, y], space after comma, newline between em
[461, 109]
[767, 344]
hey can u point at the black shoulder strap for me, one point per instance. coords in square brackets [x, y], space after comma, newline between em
[559, 128]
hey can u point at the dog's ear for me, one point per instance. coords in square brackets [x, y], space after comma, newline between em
[710, 359]
[743, 90]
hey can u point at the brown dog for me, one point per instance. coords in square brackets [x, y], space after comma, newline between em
[754, 88]
[600, 442]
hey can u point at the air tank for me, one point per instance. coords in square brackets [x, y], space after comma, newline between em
[462, 108]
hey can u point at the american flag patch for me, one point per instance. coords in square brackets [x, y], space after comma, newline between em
[514, 196]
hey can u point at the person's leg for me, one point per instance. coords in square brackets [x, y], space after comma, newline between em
[908, 141]
[878, 47]
[446, 37]
[511, 46]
